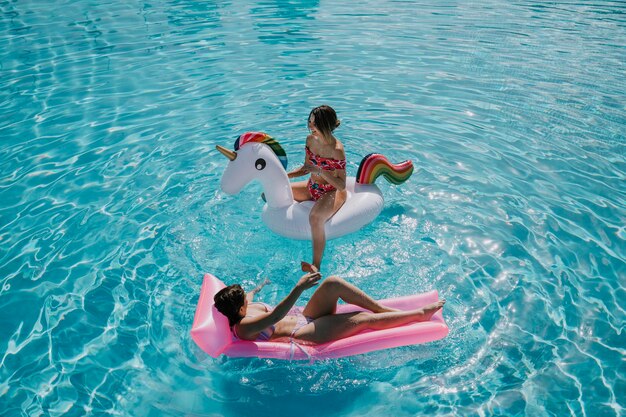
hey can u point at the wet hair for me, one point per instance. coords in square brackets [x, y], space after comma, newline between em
[325, 119]
[228, 301]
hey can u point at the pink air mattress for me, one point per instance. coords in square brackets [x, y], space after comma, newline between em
[210, 331]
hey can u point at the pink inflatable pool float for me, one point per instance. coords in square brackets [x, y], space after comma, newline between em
[210, 331]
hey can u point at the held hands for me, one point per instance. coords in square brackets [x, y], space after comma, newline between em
[308, 280]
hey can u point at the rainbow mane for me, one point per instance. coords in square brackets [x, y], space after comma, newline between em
[261, 137]
[374, 165]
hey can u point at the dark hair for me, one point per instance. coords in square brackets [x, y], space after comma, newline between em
[325, 119]
[228, 301]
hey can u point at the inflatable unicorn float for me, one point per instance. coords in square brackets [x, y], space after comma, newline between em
[258, 156]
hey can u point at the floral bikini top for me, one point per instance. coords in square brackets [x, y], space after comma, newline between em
[327, 164]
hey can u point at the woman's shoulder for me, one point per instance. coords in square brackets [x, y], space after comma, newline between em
[314, 143]
[339, 153]
[310, 139]
[317, 146]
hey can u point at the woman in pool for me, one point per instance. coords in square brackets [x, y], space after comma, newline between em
[317, 322]
[326, 162]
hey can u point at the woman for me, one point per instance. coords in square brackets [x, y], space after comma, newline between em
[326, 162]
[317, 322]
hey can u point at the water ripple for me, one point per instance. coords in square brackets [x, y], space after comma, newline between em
[111, 209]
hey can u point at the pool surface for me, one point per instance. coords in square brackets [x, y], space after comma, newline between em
[110, 208]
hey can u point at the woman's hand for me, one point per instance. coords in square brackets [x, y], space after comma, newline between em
[311, 169]
[308, 280]
[297, 173]
[250, 294]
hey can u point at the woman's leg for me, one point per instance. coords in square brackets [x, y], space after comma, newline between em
[300, 191]
[323, 210]
[339, 326]
[324, 300]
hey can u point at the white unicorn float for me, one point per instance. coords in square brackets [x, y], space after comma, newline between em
[257, 156]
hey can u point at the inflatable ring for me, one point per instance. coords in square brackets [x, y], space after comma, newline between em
[257, 156]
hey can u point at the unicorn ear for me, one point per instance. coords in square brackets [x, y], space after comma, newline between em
[226, 152]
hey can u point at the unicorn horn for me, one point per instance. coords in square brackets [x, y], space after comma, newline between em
[226, 152]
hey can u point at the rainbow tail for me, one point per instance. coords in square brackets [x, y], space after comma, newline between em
[374, 165]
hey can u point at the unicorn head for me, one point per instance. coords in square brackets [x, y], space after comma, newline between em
[258, 156]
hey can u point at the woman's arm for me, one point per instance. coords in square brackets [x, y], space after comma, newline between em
[336, 178]
[297, 172]
[302, 170]
[250, 327]
[250, 295]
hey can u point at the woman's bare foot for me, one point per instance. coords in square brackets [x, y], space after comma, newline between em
[307, 267]
[429, 310]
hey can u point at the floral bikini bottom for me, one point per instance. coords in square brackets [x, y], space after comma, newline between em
[318, 190]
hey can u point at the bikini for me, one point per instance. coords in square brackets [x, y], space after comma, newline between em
[266, 334]
[301, 320]
[327, 164]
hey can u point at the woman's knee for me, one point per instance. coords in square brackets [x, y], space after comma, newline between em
[364, 318]
[316, 218]
[333, 282]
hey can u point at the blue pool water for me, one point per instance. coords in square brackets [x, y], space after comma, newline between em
[111, 211]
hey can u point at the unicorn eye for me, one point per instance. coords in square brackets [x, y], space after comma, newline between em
[260, 164]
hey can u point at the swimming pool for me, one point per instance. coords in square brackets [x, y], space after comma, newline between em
[110, 213]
